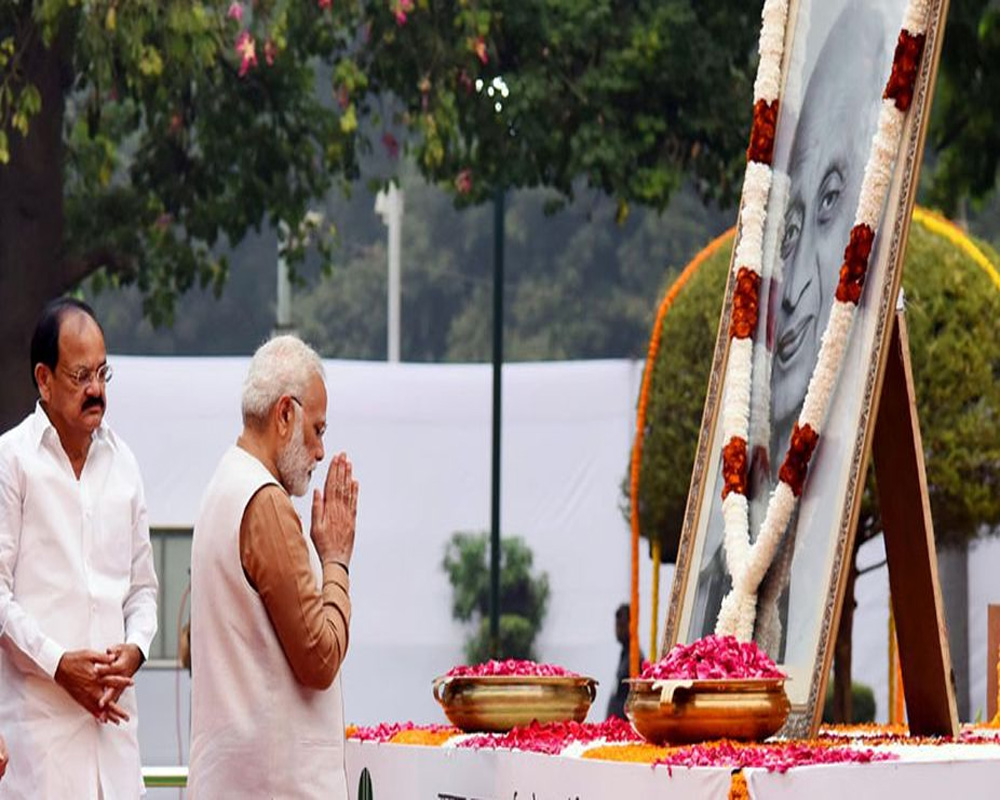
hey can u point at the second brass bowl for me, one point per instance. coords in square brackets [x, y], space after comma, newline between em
[687, 711]
[498, 703]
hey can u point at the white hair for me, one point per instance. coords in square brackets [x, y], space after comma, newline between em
[283, 365]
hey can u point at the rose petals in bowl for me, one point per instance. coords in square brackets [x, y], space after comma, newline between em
[500, 695]
[713, 658]
[716, 687]
[511, 666]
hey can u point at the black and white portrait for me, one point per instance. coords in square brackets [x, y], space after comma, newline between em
[836, 71]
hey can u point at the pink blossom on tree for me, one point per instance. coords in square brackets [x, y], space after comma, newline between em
[246, 48]
[463, 181]
[479, 47]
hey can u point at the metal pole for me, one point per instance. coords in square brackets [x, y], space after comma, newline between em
[498, 236]
[389, 205]
[283, 310]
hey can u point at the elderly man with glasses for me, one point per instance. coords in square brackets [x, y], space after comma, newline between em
[270, 608]
[77, 584]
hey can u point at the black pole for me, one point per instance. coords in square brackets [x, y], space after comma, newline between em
[498, 231]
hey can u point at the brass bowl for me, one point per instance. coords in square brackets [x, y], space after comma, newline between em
[685, 711]
[497, 703]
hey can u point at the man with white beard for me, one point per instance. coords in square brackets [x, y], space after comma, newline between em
[270, 614]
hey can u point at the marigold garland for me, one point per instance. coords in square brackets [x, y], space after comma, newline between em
[852, 273]
[640, 430]
[734, 467]
[765, 121]
[746, 304]
[935, 223]
[793, 470]
[905, 62]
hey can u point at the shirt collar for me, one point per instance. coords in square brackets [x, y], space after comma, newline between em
[41, 424]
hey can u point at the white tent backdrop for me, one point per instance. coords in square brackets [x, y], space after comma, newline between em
[419, 437]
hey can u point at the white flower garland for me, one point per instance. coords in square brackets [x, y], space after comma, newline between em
[747, 564]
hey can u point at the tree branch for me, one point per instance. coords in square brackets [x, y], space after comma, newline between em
[76, 270]
[872, 567]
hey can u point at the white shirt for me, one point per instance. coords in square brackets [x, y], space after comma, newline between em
[76, 572]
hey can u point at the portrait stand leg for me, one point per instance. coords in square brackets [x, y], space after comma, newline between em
[925, 659]
[992, 649]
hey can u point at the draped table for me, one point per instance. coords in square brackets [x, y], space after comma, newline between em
[426, 763]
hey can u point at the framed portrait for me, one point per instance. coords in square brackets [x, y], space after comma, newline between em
[835, 63]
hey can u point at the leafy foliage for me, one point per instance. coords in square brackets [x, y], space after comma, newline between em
[965, 123]
[188, 125]
[577, 284]
[676, 399]
[524, 597]
[862, 703]
[601, 90]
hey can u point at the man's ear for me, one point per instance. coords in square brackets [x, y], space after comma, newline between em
[43, 377]
[285, 413]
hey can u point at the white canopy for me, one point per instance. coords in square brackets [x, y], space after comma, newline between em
[419, 437]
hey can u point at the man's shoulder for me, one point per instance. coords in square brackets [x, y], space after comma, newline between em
[119, 449]
[271, 494]
[14, 440]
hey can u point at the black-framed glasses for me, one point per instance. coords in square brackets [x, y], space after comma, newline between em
[84, 376]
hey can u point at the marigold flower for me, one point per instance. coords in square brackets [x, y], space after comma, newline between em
[905, 63]
[746, 299]
[765, 121]
[734, 467]
[852, 272]
[793, 470]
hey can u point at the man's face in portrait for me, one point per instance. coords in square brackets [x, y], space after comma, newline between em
[831, 144]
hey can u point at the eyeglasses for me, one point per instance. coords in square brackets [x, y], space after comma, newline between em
[84, 376]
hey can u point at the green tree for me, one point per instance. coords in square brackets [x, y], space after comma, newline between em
[143, 138]
[577, 285]
[964, 136]
[524, 597]
[951, 312]
[139, 137]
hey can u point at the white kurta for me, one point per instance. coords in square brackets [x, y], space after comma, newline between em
[76, 572]
[256, 732]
